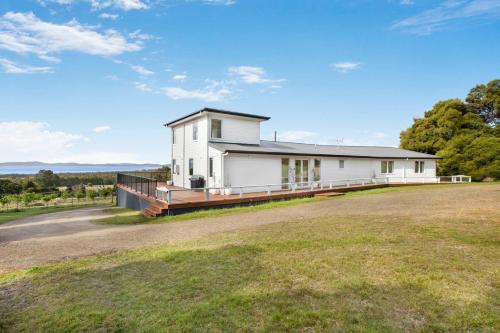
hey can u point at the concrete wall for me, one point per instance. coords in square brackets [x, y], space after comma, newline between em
[131, 201]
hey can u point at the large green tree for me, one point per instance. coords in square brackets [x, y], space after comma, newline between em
[484, 100]
[465, 134]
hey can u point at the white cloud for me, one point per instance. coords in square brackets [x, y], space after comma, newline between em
[446, 13]
[50, 59]
[215, 91]
[252, 75]
[406, 2]
[22, 141]
[219, 2]
[120, 4]
[138, 35]
[108, 16]
[24, 33]
[28, 141]
[142, 87]
[179, 77]
[101, 129]
[141, 70]
[11, 67]
[346, 66]
[296, 135]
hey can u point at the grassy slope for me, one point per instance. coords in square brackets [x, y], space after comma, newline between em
[343, 273]
[11, 215]
[128, 216]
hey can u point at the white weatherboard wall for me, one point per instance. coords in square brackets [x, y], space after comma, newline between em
[186, 147]
[234, 129]
[250, 170]
[238, 129]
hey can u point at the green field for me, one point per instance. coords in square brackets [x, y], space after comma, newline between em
[13, 214]
[350, 270]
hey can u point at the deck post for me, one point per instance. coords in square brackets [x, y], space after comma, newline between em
[169, 196]
[268, 190]
[293, 187]
[241, 192]
[347, 184]
[207, 194]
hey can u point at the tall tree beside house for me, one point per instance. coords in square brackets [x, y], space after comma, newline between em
[484, 100]
[465, 134]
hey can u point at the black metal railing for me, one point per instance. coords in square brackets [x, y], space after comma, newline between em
[139, 184]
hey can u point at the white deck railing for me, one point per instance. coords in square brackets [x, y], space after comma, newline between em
[167, 195]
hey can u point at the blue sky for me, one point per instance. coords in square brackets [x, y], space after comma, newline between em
[94, 80]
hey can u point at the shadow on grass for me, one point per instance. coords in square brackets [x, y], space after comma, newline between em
[231, 288]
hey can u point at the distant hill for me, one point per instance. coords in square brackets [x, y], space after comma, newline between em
[20, 168]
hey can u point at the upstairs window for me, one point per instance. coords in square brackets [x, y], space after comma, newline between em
[419, 166]
[195, 131]
[387, 166]
[341, 164]
[173, 136]
[216, 129]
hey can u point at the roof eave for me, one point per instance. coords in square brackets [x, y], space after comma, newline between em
[235, 151]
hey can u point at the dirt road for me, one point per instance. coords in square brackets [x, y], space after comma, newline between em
[40, 239]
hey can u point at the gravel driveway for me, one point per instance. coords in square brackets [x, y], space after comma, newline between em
[40, 239]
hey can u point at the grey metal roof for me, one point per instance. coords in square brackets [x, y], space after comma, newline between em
[303, 149]
[233, 113]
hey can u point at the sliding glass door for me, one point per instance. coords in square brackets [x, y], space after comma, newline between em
[301, 171]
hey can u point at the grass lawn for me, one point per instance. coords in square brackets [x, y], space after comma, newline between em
[128, 216]
[434, 271]
[10, 215]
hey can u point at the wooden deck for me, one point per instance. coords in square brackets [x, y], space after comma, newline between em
[187, 201]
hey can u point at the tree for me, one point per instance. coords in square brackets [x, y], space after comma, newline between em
[4, 200]
[92, 195]
[47, 179]
[28, 198]
[7, 187]
[46, 198]
[17, 198]
[484, 100]
[79, 195]
[65, 196]
[460, 134]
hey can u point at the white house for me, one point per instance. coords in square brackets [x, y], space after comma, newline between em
[225, 148]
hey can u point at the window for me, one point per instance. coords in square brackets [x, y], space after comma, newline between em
[341, 164]
[419, 166]
[173, 136]
[174, 166]
[216, 129]
[191, 166]
[387, 166]
[317, 170]
[211, 167]
[195, 131]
